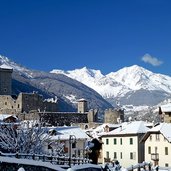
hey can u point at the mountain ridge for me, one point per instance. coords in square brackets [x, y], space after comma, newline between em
[132, 85]
[51, 85]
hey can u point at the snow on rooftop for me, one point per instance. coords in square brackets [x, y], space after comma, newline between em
[5, 116]
[65, 132]
[166, 108]
[135, 127]
[84, 167]
[80, 100]
[163, 128]
[4, 66]
[31, 162]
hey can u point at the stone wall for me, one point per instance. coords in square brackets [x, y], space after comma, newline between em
[114, 116]
[24, 103]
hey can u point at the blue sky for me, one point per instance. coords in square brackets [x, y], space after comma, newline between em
[99, 34]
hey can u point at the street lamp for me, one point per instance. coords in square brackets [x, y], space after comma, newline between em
[72, 140]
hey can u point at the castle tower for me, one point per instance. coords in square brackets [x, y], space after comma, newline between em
[82, 106]
[5, 79]
[114, 116]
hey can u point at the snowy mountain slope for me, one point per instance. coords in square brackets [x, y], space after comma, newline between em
[130, 85]
[49, 85]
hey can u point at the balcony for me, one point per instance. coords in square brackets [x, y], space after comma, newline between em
[155, 156]
[107, 160]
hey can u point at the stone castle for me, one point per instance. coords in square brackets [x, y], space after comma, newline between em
[32, 106]
[24, 102]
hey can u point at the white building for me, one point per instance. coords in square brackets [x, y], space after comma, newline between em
[123, 144]
[158, 145]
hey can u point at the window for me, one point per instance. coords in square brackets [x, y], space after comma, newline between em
[131, 140]
[157, 137]
[107, 154]
[166, 165]
[150, 137]
[121, 155]
[107, 141]
[121, 141]
[166, 150]
[131, 155]
[74, 145]
[155, 149]
[115, 155]
[149, 150]
[18, 105]
[5, 103]
[114, 141]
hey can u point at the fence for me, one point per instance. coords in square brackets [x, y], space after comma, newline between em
[57, 160]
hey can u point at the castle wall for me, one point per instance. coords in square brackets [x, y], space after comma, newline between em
[63, 118]
[24, 103]
[8, 105]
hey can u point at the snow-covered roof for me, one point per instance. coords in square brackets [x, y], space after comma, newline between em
[4, 66]
[166, 108]
[65, 132]
[80, 100]
[31, 162]
[135, 127]
[163, 128]
[5, 116]
[85, 167]
[100, 129]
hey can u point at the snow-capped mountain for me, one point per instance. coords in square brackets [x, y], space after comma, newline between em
[66, 89]
[132, 85]
[16, 67]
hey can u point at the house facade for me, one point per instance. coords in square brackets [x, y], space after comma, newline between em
[165, 112]
[158, 145]
[71, 139]
[123, 144]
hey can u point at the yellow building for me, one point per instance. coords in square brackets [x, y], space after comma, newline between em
[158, 145]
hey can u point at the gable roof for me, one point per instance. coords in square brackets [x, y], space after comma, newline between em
[163, 128]
[136, 127]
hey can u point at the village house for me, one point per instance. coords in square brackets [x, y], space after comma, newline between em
[158, 145]
[96, 132]
[165, 113]
[70, 139]
[6, 118]
[123, 144]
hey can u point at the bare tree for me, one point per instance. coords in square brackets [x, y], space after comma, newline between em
[22, 139]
